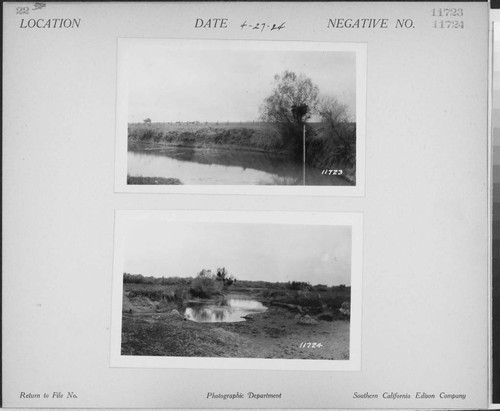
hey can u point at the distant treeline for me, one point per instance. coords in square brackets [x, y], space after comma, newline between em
[290, 285]
[140, 279]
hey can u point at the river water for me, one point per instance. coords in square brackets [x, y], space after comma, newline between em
[201, 166]
[232, 311]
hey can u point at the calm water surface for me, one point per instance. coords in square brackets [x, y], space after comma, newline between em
[200, 166]
[233, 311]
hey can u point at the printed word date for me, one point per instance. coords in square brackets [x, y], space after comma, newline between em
[332, 172]
[262, 26]
[212, 23]
[310, 345]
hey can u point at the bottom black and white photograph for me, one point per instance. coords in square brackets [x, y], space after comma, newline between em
[253, 286]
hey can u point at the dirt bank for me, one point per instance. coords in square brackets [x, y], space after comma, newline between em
[276, 333]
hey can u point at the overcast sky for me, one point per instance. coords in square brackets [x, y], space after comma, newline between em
[278, 252]
[224, 85]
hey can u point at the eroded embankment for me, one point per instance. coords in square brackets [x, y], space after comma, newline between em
[279, 332]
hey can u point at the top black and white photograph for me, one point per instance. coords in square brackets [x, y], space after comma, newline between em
[240, 117]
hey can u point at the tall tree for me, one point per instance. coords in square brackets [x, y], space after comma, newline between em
[292, 96]
[292, 101]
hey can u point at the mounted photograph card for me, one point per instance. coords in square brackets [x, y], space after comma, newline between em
[239, 290]
[245, 205]
[240, 117]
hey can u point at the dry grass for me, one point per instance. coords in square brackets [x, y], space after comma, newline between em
[250, 135]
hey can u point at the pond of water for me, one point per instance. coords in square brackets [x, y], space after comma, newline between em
[200, 166]
[232, 311]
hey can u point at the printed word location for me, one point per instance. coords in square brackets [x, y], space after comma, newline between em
[50, 24]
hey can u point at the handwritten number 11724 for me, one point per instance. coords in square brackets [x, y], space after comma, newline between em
[262, 26]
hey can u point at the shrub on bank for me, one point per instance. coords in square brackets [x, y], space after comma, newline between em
[334, 303]
[328, 150]
[205, 287]
[175, 294]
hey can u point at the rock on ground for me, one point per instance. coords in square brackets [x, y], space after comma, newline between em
[307, 320]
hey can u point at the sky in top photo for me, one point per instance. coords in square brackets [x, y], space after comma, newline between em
[168, 85]
[318, 254]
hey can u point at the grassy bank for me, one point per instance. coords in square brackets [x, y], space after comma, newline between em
[260, 136]
[325, 148]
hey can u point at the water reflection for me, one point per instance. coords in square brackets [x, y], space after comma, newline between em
[200, 166]
[233, 311]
